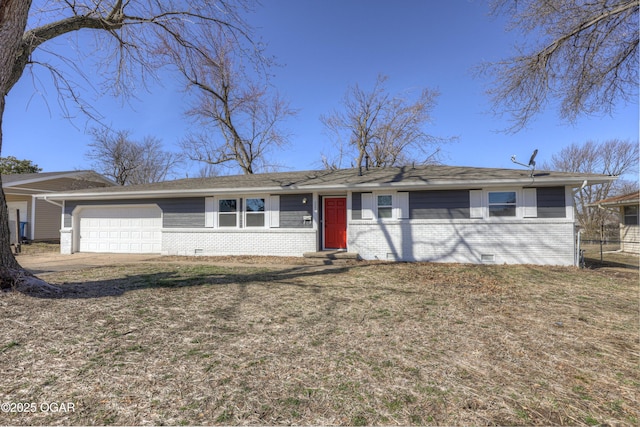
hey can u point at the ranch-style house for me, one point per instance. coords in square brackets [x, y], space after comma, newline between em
[422, 213]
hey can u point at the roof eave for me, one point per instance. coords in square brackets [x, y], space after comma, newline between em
[617, 204]
[451, 184]
[73, 174]
[432, 184]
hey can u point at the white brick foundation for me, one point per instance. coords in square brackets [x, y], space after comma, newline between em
[278, 242]
[466, 241]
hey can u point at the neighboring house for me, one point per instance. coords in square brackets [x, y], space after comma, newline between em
[627, 207]
[42, 219]
[426, 213]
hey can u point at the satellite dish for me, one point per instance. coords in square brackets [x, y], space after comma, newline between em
[532, 161]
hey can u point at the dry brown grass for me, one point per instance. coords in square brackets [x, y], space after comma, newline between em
[370, 343]
[610, 256]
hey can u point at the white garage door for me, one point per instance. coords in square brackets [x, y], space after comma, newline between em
[125, 229]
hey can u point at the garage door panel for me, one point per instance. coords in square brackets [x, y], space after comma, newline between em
[121, 230]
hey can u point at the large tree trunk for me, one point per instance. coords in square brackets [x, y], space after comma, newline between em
[13, 22]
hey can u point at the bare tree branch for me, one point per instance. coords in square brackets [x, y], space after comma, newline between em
[613, 157]
[246, 117]
[388, 130]
[126, 161]
[128, 33]
[587, 58]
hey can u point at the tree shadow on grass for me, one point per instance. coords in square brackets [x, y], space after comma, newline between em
[594, 263]
[176, 276]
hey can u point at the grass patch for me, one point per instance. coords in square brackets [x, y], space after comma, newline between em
[369, 343]
[8, 346]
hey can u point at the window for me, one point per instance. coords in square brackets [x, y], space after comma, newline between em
[385, 206]
[502, 203]
[630, 215]
[255, 213]
[228, 213]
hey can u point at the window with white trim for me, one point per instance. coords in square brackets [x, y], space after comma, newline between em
[630, 215]
[254, 212]
[385, 206]
[228, 213]
[502, 203]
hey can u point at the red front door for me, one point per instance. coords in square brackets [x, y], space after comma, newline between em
[335, 223]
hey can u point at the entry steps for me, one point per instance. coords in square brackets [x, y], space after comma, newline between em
[331, 257]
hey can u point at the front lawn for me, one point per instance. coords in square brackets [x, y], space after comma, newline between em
[369, 343]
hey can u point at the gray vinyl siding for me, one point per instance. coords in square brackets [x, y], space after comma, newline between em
[176, 213]
[47, 223]
[440, 204]
[551, 202]
[356, 206]
[292, 210]
[182, 213]
[66, 214]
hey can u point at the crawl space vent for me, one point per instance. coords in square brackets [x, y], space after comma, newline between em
[487, 258]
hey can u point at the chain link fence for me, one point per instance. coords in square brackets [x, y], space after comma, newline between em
[601, 253]
[606, 246]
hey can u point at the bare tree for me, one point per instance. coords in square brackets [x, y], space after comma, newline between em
[126, 161]
[156, 164]
[245, 116]
[613, 157]
[128, 35]
[585, 55]
[387, 129]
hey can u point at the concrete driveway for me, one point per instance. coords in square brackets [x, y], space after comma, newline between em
[53, 262]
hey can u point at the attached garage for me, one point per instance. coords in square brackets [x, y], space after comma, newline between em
[119, 229]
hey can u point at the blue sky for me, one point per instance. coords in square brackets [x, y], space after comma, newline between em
[324, 47]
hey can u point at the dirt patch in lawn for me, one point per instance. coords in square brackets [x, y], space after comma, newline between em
[170, 342]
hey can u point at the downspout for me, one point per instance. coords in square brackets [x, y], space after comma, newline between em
[32, 224]
[584, 184]
[578, 254]
[577, 238]
[32, 227]
[60, 205]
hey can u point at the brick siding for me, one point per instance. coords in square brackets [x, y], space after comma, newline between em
[289, 242]
[466, 241]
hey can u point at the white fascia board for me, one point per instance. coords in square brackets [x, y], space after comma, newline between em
[27, 190]
[617, 204]
[74, 174]
[432, 185]
[435, 185]
[161, 194]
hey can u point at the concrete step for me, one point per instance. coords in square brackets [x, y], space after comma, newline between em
[330, 257]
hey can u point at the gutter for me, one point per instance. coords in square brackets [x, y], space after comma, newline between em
[617, 204]
[433, 185]
[45, 198]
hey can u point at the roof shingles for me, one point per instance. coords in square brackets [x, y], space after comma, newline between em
[432, 175]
